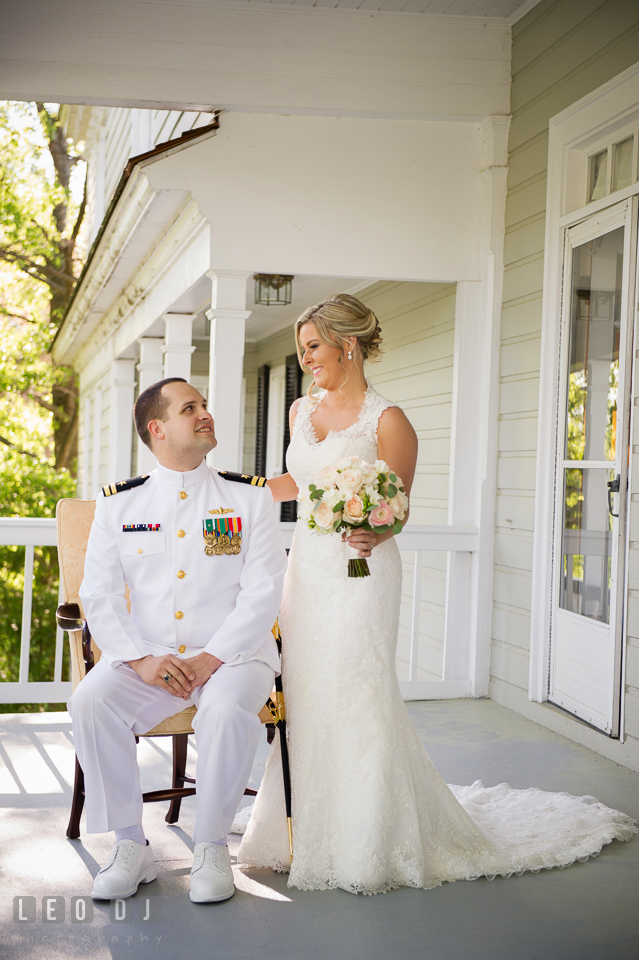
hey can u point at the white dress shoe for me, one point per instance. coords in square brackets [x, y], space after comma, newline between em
[129, 864]
[212, 875]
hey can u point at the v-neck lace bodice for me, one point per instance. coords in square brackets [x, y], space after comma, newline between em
[307, 454]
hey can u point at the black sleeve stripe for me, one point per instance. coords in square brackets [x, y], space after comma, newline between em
[121, 485]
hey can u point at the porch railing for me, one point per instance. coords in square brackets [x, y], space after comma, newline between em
[416, 540]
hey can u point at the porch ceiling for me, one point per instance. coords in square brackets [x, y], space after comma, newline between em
[263, 321]
[511, 10]
[416, 59]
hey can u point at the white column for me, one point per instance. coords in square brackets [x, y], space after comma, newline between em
[121, 426]
[473, 460]
[86, 450]
[463, 471]
[177, 349]
[228, 316]
[150, 370]
[97, 442]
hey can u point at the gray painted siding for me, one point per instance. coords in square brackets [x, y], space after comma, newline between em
[562, 50]
[418, 324]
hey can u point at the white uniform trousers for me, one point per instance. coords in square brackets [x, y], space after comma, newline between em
[112, 705]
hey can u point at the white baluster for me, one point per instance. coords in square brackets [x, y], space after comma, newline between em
[27, 597]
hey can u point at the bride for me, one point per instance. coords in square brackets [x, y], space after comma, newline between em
[370, 811]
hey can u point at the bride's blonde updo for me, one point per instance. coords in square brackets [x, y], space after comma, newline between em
[339, 317]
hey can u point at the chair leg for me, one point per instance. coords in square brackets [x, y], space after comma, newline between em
[180, 744]
[77, 804]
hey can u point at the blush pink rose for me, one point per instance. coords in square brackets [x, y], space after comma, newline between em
[354, 510]
[381, 516]
[324, 516]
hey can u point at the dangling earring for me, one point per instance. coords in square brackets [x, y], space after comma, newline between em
[350, 354]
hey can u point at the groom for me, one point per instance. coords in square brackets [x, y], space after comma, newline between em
[204, 563]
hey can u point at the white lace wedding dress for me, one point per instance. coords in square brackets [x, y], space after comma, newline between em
[370, 811]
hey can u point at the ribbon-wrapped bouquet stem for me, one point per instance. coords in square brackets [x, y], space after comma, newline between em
[352, 493]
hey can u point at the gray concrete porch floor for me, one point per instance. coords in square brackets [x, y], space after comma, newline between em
[589, 911]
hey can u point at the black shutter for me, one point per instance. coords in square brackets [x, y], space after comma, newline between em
[261, 421]
[291, 393]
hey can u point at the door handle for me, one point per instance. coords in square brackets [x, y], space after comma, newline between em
[613, 487]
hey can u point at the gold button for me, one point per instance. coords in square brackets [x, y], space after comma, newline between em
[179, 615]
[183, 494]
[181, 574]
[181, 648]
[140, 550]
[180, 533]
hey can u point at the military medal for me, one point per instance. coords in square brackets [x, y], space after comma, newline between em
[223, 536]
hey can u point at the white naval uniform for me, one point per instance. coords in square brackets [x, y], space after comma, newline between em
[183, 602]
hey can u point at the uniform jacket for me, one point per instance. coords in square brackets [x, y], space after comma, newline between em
[183, 601]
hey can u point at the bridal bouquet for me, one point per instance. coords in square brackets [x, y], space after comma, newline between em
[353, 493]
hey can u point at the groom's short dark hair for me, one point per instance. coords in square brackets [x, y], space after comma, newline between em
[152, 404]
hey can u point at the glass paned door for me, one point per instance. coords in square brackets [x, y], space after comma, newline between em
[592, 469]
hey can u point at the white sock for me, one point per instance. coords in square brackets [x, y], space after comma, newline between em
[131, 833]
[217, 843]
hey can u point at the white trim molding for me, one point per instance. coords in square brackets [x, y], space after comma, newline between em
[473, 444]
[574, 135]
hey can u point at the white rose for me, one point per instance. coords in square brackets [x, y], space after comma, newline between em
[326, 478]
[350, 480]
[369, 473]
[399, 504]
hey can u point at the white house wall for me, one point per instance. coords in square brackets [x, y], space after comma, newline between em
[337, 197]
[561, 52]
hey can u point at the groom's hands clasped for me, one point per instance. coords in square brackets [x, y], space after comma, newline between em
[183, 675]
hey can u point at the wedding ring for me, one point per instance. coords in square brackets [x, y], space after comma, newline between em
[167, 677]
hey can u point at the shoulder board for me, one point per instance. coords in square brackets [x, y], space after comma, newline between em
[243, 478]
[121, 485]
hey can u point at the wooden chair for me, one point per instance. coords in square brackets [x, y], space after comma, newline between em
[74, 519]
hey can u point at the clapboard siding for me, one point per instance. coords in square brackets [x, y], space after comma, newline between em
[416, 371]
[562, 50]
[118, 148]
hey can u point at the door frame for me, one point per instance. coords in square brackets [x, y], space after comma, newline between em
[573, 136]
[623, 214]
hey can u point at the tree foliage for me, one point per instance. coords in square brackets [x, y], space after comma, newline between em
[39, 261]
[39, 232]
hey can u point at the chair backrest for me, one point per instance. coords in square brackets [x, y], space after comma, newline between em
[74, 519]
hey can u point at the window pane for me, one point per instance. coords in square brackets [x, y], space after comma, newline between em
[593, 373]
[586, 544]
[622, 164]
[598, 174]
